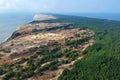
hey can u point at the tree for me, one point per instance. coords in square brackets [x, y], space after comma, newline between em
[9, 75]
[1, 71]
[40, 71]
[53, 67]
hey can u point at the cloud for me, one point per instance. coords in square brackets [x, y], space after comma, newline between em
[4, 5]
[27, 5]
[7, 4]
[59, 5]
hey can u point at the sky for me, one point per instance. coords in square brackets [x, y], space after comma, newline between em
[60, 6]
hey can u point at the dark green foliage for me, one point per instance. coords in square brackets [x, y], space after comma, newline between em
[95, 48]
[17, 76]
[65, 72]
[76, 43]
[58, 54]
[38, 62]
[64, 62]
[54, 50]
[53, 43]
[102, 60]
[30, 61]
[9, 75]
[27, 74]
[21, 61]
[72, 55]
[15, 34]
[51, 66]
[1, 71]
[46, 67]
[77, 35]
[40, 71]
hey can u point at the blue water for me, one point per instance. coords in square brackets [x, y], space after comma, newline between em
[10, 21]
[109, 16]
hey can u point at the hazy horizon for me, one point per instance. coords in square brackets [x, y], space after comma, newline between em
[60, 6]
[19, 12]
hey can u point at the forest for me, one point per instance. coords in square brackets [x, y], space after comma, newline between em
[102, 60]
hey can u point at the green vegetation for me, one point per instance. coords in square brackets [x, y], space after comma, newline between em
[45, 58]
[9, 75]
[71, 54]
[77, 35]
[102, 60]
[51, 66]
[1, 71]
[77, 42]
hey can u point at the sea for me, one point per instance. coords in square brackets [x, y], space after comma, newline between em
[10, 21]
